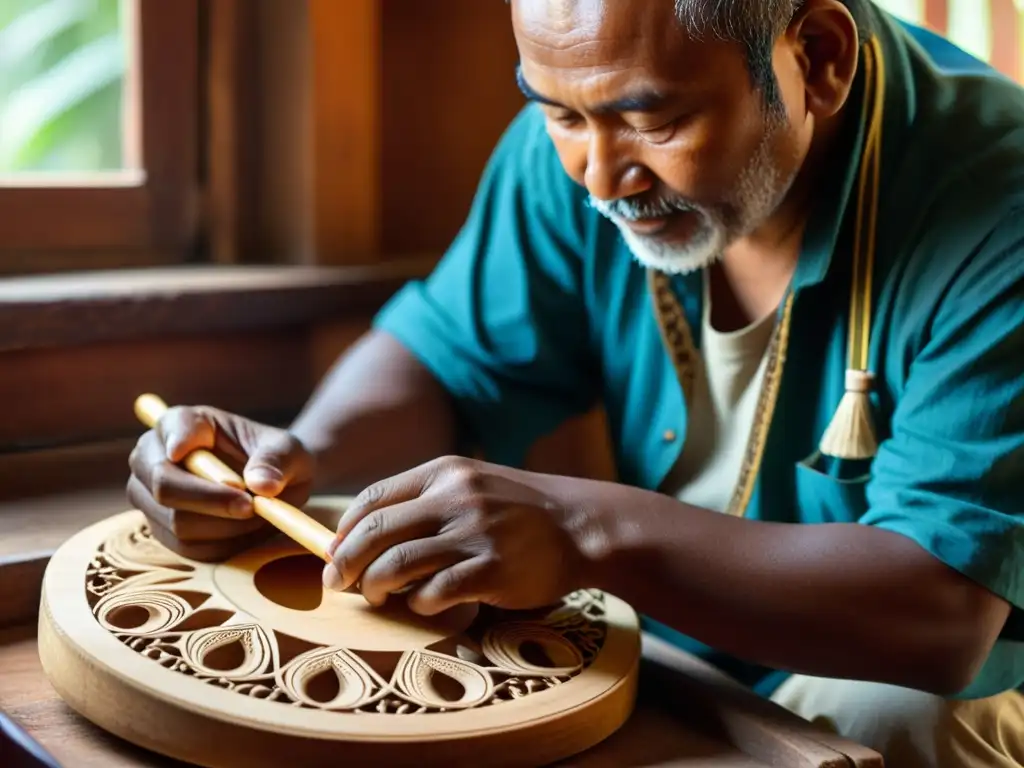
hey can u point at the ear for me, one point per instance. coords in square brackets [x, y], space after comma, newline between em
[824, 40]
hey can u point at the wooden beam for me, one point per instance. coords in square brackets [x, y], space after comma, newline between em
[80, 394]
[65, 310]
[345, 129]
[232, 135]
[936, 15]
[1006, 47]
[444, 105]
[21, 579]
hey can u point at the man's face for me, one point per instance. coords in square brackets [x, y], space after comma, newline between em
[669, 135]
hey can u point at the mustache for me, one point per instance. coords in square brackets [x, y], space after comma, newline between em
[634, 209]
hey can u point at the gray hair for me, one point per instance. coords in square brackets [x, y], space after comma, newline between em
[754, 24]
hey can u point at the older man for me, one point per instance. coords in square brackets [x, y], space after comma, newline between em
[782, 242]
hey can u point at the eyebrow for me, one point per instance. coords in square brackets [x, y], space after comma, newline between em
[647, 100]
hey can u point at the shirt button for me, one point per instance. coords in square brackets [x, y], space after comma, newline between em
[669, 436]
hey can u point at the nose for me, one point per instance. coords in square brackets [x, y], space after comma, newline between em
[611, 172]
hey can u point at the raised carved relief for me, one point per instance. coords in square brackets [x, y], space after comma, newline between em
[261, 626]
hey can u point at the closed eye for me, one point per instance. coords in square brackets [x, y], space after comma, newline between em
[658, 135]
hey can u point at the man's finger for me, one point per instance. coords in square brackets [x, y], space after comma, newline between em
[187, 526]
[278, 461]
[385, 493]
[464, 582]
[176, 488]
[405, 564]
[141, 499]
[183, 430]
[375, 533]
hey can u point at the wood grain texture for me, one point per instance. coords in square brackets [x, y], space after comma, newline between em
[722, 706]
[443, 108]
[363, 139]
[168, 61]
[226, 664]
[233, 138]
[687, 713]
[93, 217]
[20, 579]
[33, 704]
[48, 311]
[27, 475]
[19, 750]
[659, 733]
[43, 523]
[345, 55]
[85, 393]
[259, 158]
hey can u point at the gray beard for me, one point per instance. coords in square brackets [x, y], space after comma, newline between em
[759, 190]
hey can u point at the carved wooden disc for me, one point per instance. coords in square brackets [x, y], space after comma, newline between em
[251, 663]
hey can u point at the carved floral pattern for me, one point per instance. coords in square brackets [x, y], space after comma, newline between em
[162, 607]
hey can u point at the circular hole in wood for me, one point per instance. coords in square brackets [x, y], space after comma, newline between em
[323, 687]
[447, 688]
[128, 616]
[293, 582]
[226, 657]
[537, 655]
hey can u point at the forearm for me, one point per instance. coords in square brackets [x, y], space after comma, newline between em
[378, 412]
[838, 600]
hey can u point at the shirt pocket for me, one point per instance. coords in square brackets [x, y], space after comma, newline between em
[831, 497]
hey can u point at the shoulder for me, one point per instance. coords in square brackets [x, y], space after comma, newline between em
[955, 199]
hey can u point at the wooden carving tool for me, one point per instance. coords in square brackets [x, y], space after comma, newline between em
[291, 521]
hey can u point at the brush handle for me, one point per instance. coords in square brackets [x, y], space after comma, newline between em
[293, 522]
[150, 408]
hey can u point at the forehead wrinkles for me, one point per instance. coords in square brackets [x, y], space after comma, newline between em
[595, 32]
[560, 16]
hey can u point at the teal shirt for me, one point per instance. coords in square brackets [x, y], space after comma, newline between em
[538, 312]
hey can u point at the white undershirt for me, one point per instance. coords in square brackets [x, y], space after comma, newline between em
[726, 389]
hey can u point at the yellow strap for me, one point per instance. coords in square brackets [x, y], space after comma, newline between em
[867, 205]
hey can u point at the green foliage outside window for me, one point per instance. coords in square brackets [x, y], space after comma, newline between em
[62, 74]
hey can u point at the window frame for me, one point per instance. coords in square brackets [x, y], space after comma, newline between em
[129, 218]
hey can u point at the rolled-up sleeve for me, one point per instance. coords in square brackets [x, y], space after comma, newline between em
[951, 476]
[502, 322]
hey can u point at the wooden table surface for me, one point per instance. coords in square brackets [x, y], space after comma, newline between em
[687, 715]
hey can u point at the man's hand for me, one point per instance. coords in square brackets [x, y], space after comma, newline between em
[204, 520]
[461, 531]
[812, 599]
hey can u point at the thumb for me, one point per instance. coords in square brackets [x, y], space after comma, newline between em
[278, 461]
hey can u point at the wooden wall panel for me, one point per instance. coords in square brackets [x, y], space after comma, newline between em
[1006, 48]
[351, 131]
[936, 15]
[230, 157]
[63, 396]
[448, 92]
[346, 54]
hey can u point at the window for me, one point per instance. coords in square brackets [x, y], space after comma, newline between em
[991, 30]
[98, 132]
